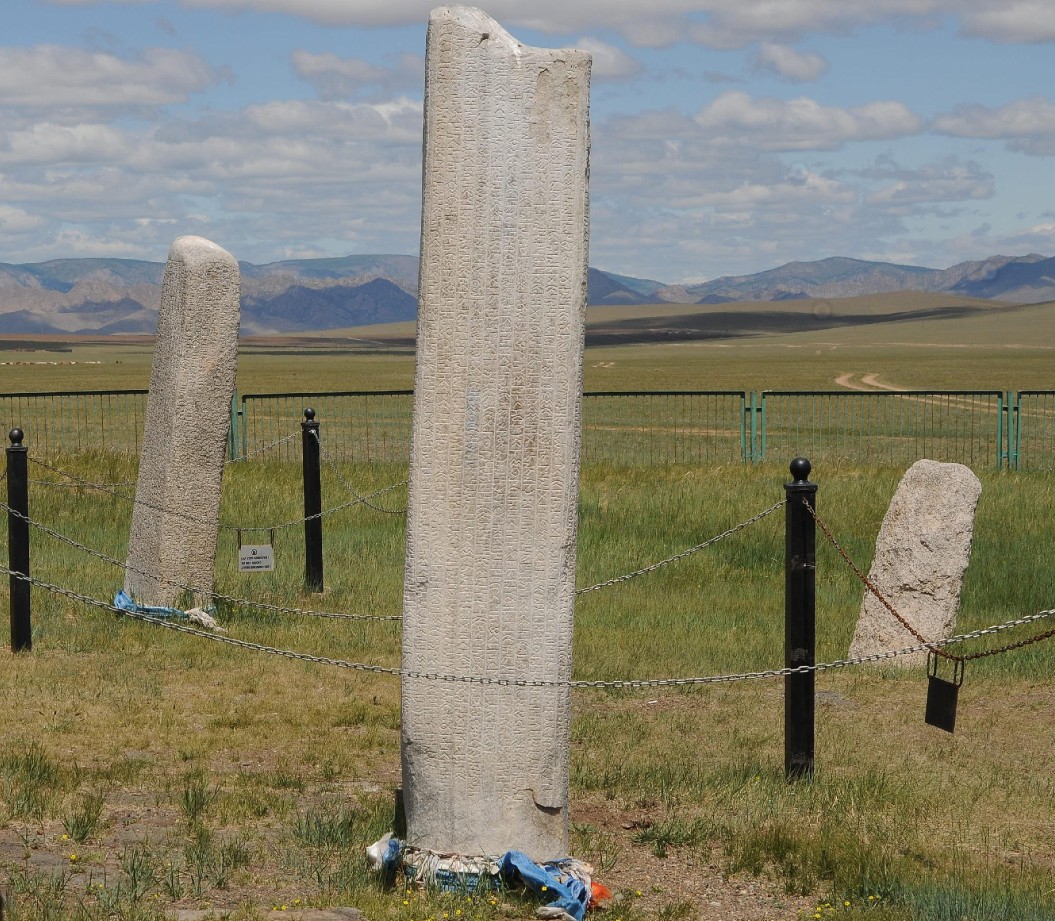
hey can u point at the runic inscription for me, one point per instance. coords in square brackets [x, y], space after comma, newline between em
[175, 518]
[490, 567]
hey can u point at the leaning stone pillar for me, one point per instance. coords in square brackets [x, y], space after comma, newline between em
[176, 515]
[922, 552]
[490, 563]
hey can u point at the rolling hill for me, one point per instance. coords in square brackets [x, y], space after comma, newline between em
[110, 296]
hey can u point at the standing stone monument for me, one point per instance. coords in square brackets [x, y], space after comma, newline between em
[922, 551]
[490, 565]
[176, 515]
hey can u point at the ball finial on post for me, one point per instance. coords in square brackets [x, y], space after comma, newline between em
[16, 435]
[800, 469]
[309, 414]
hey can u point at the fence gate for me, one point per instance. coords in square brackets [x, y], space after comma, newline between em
[1032, 441]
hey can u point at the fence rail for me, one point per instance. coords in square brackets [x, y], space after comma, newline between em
[980, 428]
[370, 426]
[108, 421]
[898, 427]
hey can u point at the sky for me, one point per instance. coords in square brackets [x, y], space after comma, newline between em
[728, 136]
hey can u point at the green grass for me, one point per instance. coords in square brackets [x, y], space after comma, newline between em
[215, 769]
[1003, 348]
[201, 775]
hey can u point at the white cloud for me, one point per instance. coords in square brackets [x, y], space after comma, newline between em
[803, 123]
[946, 181]
[609, 62]
[736, 23]
[335, 77]
[259, 180]
[398, 121]
[716, 23]
[16, 221]
[51, 75]
[54, 144]
[1028, 125]
[1027, 21]
[789, 63]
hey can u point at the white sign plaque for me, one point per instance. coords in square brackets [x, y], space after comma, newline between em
[256, 558]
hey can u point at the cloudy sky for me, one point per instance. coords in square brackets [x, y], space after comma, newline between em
[729, 136]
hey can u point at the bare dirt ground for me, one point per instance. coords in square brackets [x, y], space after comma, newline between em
[685, 883]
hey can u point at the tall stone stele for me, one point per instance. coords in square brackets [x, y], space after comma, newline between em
[490, 564]
[922, 552]
[176, 516]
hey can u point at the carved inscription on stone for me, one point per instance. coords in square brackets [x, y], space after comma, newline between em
[176, 515]
[490, 565]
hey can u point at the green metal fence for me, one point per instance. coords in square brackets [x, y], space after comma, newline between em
[664, 427]
[658, 427]
[895, 428]
[980, 428]
[369, 426]
[1033, 430]
[90, 420]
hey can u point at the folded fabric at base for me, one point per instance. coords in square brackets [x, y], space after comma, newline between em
[203, 617]
[565, 885]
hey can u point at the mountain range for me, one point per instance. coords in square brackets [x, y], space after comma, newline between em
[104, 296]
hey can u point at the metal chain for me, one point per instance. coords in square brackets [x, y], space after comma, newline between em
[221, 526]
[255, 451]
[683, 554]
[179, 628]
[360, 500]
[103, 488]
[240, 602]
[517, 682]
[331, 464]
[932, 646]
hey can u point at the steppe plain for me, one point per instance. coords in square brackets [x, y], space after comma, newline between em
[230, 779]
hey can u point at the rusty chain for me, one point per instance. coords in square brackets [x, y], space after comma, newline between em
[930, 645]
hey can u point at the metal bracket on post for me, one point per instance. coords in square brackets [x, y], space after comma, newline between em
[312, 502]
[799, 620]
[18, 541]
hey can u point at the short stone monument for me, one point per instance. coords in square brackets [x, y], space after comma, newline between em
[490, 564]
[177, 506]
[922, 552]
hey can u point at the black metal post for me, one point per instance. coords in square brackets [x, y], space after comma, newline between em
[18, 541]
[799, 620]
[312, 503]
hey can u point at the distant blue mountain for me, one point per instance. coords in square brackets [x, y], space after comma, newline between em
[121, 295]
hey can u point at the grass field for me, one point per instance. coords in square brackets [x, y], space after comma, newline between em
[996, 348]
[143, 770]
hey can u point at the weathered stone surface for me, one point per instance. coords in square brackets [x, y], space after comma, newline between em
[922, 551]
[490, 567]
[175, 518]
